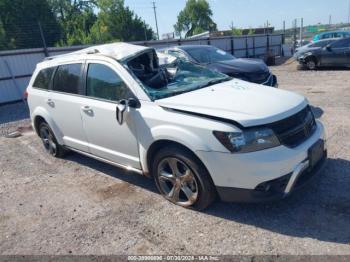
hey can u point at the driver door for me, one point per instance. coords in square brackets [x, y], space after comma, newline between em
[108, 138]
[338, 54]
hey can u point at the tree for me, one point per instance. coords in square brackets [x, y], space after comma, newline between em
[76, 18]
[195, 18]
[20, 18]
[235, 31]
[115, 21]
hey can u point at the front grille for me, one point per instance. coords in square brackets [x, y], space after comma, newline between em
[294, 130]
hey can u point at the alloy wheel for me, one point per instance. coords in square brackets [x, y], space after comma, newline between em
[311, 64]
[48, 140]
[177, 182]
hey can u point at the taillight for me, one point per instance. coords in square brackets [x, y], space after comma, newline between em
[25, 94]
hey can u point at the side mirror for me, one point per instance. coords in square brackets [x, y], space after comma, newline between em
[328, 47]
[134, 103]
[121, 107]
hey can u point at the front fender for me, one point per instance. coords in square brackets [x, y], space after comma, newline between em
[170, 133]
[42, 112]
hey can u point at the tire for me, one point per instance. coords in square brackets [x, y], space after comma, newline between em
[49, 141]
[311, 63]
[182, 179]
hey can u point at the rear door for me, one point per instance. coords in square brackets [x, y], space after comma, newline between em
[64, 104]
[107, 138]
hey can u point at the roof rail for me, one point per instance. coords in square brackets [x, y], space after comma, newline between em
[87, 52]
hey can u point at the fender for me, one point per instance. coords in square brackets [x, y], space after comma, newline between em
[42, 112]
[172, 133]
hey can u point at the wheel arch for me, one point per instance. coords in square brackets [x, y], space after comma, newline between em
[40, 114]
[312, 57]
[157, 145]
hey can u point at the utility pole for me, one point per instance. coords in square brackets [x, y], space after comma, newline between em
[330, 19]
[294, 35]
[301, 31]
[43, 39]
[145, 29]
[155, 17]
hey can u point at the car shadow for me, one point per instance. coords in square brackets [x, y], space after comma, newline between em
[321, 211]
[116, 172]
[318, 112]
[333, 68]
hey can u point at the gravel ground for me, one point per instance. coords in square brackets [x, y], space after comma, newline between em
[81, 206]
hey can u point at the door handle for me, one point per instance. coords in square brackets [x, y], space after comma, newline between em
[50, 102]
[87, 110]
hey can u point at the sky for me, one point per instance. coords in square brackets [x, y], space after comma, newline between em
[246, 13]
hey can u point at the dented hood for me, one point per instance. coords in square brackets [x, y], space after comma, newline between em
[246, 103]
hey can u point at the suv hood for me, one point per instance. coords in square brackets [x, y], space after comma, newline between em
[246, 103]
[241, 65]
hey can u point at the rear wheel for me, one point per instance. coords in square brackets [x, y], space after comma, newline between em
[49, 141]
[182, 179]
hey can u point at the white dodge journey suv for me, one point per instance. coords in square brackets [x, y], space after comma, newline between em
[198, 133]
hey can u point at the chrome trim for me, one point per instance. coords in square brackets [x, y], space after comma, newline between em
[128, 168]
[296, 173]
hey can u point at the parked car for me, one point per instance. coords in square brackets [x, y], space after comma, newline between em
[334, 34]
[197, 132]
[313, 46]
[251, 70]
[336, 53]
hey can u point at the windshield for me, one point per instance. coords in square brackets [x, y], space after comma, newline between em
[172, 79]
[206, 55]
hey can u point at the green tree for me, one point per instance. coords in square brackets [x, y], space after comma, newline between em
[76, 18]
[235, 31]
[19, 19]
[195, 18]
[116, 22]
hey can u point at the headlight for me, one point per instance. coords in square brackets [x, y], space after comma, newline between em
[248, 141]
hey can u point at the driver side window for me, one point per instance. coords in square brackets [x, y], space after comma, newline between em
[344, 43]
[104, 83]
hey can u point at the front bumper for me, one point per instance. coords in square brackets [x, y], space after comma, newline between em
[275, 189]
[244, 174]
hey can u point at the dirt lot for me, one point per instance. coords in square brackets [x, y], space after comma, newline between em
[81, 206]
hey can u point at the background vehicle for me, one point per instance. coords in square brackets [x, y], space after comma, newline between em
[334, 34]
[313, 46]
[197, 132]
[336, 54]
[251, 70]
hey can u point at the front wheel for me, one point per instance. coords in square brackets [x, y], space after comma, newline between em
[311, 64]
[182, 179]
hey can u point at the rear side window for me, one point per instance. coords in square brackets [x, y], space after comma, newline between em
[43, 79]
[105, 83]
[67, 79]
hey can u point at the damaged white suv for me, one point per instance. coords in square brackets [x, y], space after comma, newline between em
[198, 133]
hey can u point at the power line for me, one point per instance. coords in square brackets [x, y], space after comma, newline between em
[155, 17]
